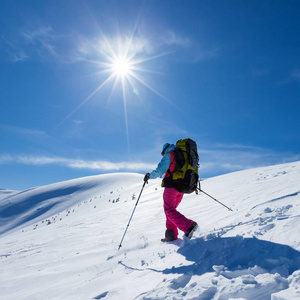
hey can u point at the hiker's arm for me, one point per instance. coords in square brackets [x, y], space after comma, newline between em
[162, 167]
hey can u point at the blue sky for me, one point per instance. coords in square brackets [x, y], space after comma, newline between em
[91, 87]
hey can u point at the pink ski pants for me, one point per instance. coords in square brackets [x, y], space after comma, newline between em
[175, 220]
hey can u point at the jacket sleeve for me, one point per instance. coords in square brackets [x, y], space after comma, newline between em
[162, 167]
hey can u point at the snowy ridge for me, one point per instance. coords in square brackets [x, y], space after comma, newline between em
[32, 205]
[60, 241]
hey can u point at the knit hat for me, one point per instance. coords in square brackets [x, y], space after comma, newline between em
[166, 145]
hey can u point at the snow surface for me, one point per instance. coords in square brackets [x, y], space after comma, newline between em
[61, 241]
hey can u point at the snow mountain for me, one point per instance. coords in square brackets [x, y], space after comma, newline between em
[60, 241]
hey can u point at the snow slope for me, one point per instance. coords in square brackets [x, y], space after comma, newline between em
[60, 241]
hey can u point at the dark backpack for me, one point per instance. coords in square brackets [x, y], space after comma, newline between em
[185, 176]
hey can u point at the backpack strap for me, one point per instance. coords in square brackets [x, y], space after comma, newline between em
[167, 180]
[172, 153]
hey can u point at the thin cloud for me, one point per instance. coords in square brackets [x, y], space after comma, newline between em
[186, 48]
[222, 158]
[93, 48]
[172, 38]
[213, 160]
[44, 43]
[40, 43]
[109, 166]
[168, 42]
[5, 159]
[22, 130]
[19, 56]
[44, 40]
[39, 35]
[15, 53]
[101, 166]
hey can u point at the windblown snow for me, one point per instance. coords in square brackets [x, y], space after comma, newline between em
[61, 241]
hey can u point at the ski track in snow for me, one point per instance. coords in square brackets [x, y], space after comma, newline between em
[60, 241]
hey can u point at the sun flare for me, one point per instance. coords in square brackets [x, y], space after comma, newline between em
[123, 60]
[121, 66]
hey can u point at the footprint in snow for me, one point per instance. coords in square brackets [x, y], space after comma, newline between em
[180, 282]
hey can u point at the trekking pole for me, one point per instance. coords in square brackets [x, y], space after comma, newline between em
[132, 214]
[200, 190]
[216, 200]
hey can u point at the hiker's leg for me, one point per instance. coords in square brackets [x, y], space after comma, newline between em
[175, 219]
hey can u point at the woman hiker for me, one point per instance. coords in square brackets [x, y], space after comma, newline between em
[172, 198]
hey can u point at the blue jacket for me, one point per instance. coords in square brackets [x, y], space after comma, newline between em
[164, 164]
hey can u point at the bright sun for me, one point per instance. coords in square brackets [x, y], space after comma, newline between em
[121, 67]
[121, 59]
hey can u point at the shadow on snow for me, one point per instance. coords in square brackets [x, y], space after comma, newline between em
[237, 253]
[32, 207]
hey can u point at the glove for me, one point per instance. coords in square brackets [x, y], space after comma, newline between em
[147, 176]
